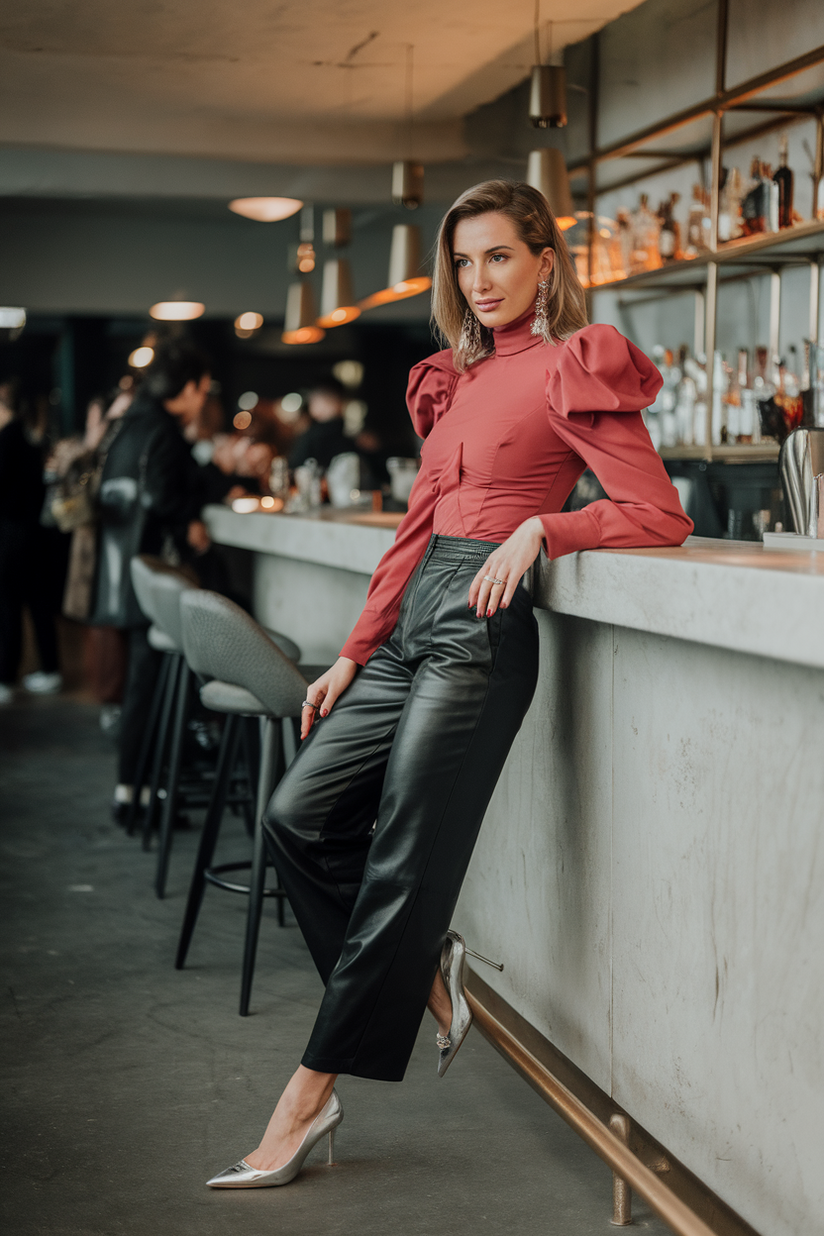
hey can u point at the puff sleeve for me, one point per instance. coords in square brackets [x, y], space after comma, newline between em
[594, 399]
[428, 396]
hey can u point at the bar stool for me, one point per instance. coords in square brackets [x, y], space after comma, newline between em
[250, 677]
[145, 571]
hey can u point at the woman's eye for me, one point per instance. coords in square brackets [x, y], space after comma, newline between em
[498, 256]
[460, 262]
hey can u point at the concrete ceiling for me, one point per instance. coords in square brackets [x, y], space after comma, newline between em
[308, 82]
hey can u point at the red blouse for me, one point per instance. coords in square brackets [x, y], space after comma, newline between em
[509, 438]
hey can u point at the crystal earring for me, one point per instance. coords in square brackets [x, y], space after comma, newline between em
[470, 342]
[540, 323]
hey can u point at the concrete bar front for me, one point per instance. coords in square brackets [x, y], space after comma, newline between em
[651, 867]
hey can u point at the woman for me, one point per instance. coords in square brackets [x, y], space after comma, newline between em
[373, 826]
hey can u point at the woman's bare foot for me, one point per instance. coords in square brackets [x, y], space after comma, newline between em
[440, 1006]
[301, 1101]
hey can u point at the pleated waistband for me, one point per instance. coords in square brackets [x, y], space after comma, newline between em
[460, 549]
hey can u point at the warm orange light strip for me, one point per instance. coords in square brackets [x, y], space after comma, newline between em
[306, 334]
[345, 313]
[400, 291]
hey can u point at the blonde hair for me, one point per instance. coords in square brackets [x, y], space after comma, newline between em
[535, 223]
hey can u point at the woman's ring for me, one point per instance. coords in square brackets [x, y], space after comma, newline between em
[490, 579]
[308, 704]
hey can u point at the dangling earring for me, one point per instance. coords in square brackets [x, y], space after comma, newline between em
[540, 323]
[470, 342]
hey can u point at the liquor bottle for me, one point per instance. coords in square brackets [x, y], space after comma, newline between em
[697, 224]
[695, 368]
[759, 209]
[783, 178]
[669, 399]
[645, 228]
[733, 402]
[729, 206]
[685, 403]
[749, 422]
[720, 387]
[669, 235]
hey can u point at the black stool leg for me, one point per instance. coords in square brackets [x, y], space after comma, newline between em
[146, 745]
[172, 782]
[160, 749]
[227, 758]
[269, 754]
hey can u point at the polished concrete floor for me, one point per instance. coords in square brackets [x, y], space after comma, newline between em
[126, 1083]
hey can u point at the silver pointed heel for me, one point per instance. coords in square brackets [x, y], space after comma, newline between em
[453, 960]
[242, 1176]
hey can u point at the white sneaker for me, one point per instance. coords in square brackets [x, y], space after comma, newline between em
[6, 694]
[43, 684]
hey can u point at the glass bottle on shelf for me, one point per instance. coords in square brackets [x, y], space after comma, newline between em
[729, 206]
[671, 374]
[697, 225]
[733, 402]
[749, 422]
[783, 179]
[720, 387]
[645, 228]
[669, 238]
[685, 402]
[695, 369]
[759, 208]
[623, 220]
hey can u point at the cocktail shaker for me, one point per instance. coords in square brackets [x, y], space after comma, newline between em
[802, 464]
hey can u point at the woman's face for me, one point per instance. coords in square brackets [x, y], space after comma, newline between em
[497, 273]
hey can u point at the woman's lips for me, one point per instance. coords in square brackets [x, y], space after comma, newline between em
[486, 306]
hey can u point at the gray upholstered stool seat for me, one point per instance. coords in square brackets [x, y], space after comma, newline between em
[226, 697]
[160, 641]
[249, 675]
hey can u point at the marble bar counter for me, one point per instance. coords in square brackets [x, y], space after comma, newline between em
[651, 867]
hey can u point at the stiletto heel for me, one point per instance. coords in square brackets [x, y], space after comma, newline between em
[453, 959]
[242, 1176]
[496, 965]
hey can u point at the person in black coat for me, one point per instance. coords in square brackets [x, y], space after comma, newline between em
[149, 503]
[23, 567]
[325, 438]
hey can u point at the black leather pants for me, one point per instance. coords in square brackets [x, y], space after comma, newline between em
[373, 825]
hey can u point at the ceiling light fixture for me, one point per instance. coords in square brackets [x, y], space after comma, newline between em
[546, 171]
[300, 325]
[177, 310]
[407, 174]
[141, 357]
[405, 277]
[547, 93]
[12, 321]
[337, 302]
[265, 209]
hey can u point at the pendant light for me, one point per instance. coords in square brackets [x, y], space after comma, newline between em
[547, 90]
[546, 171]
[177, 310]
[405, 278]
[337, 302]
[407, 175]
[300, 325]
[407, 184]
[265, 209]
[547, 96]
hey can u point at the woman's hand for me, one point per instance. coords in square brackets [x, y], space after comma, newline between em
[325, 690]
[507, 564]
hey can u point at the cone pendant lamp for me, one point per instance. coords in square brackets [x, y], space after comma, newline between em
[547, 96]
[300, 325]
[546, 171]
[337, 303]
[405, 277]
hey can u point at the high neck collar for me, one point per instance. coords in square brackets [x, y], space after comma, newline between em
[516, 336]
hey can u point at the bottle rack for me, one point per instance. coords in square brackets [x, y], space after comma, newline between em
[696, 133]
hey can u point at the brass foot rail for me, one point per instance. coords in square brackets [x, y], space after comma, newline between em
[601, 1139]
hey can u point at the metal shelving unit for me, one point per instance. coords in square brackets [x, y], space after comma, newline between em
[703, 131]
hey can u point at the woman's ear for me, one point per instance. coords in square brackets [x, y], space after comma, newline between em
[547, 263]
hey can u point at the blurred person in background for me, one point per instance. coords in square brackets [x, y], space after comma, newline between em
[325, 437]
[150, 498]
[24, 564]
